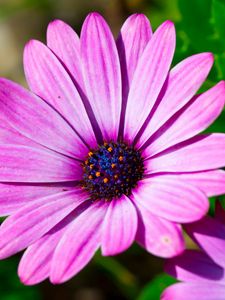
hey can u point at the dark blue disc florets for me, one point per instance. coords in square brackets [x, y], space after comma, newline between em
[112, 170]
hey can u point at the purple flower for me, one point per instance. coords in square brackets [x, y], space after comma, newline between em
[202, 273]
[104, 151]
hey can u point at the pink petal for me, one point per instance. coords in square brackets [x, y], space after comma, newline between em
[212, 183]
[48, 79]
[35, 219]
[194, 266]
[35, 264]
[183, 82]
[157, 235]
[194, 291]
[171, 199]
[36, 120]
[119, 226]
[78, 244]
[201, 153]
[65, 43]
[9, 135]
[102, 77]
[191, 120]
[210, 236]
[149, 77]
[14, 196]
[26, 164]
[134, 36]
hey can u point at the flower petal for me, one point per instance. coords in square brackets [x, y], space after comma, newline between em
[209, 234]
[119, 226]
[194, 291]
[102, 76]
[26, 164]
[191, 120]
[78, 244]
[35, 264]
[133, 38]
[183, 82]
[171, 199]
[9, 135]
[48, 79]
[35, 219]
[153, 65]
[14, 196]
[212, 183]
[65, 43]
[36, 120]
[194, 266]
[157, 235]
[200, 153]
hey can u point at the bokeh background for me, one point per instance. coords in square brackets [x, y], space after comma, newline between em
[200, 27]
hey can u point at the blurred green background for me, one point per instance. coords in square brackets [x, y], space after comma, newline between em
[200, 27]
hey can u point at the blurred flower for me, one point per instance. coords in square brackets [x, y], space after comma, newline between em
[104, 150]
[203, 273]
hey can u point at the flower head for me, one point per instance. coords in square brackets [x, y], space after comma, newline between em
[104, 150]
[202, 272]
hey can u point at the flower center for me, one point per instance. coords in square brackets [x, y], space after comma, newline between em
[112, 170]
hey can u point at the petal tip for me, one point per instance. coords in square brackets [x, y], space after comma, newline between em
[58, 278]
[25, 281]
[169, 24]
[94, 15]
[55, 23]
[210, 57]
[31, 44]
[25, 278]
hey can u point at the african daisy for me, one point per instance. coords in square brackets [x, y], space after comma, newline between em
[103, 151]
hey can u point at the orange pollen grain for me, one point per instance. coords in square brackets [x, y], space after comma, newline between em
[90, 154]
[121, 158]
[97, 174]
[105, 180]
[113, 166]
[110, 149]
[90, 177]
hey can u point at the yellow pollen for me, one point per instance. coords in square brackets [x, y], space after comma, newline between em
[90, 154]
[97, 174]
[91, 166]
[105, 180]
[86, 162]
[116, 176]
[110, 149]
[105, 144]
[121, 158]
[113, 166]
[90, 177]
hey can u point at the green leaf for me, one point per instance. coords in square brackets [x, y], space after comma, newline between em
[155, 288]
[196, 23]
[218, 12]
[220, 64]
